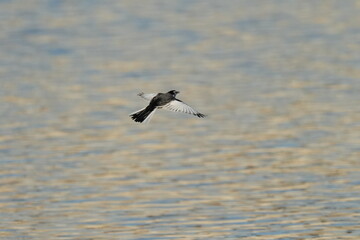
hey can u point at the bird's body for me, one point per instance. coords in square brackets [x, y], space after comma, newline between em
[167, 101]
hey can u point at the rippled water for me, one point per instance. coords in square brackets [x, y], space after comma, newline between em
[278, 157]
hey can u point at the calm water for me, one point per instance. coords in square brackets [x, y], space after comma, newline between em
[277, 158]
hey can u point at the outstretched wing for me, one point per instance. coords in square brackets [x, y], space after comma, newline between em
[147, 96]
[179, 106]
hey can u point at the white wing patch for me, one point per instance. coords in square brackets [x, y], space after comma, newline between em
[177, 106]
[147, 96]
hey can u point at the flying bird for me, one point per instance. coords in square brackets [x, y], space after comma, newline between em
[166, 101]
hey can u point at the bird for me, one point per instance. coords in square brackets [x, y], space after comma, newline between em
[167, 101]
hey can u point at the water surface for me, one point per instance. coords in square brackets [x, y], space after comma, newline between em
[276, 158]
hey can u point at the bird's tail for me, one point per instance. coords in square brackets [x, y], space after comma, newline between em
[143, 115]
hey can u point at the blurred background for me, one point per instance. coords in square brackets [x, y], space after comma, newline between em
[278, 156]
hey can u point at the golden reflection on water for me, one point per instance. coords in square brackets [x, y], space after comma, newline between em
[277, 157]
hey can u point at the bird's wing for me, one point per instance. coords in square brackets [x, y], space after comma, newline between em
[179, 106]
[147, 96]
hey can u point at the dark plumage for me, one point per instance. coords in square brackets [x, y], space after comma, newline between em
[167, 101]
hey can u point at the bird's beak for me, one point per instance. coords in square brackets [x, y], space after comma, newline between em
[177, 92]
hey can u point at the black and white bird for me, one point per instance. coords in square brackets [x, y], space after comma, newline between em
[166, 101]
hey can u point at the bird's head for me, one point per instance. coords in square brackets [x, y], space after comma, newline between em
[173, 92]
